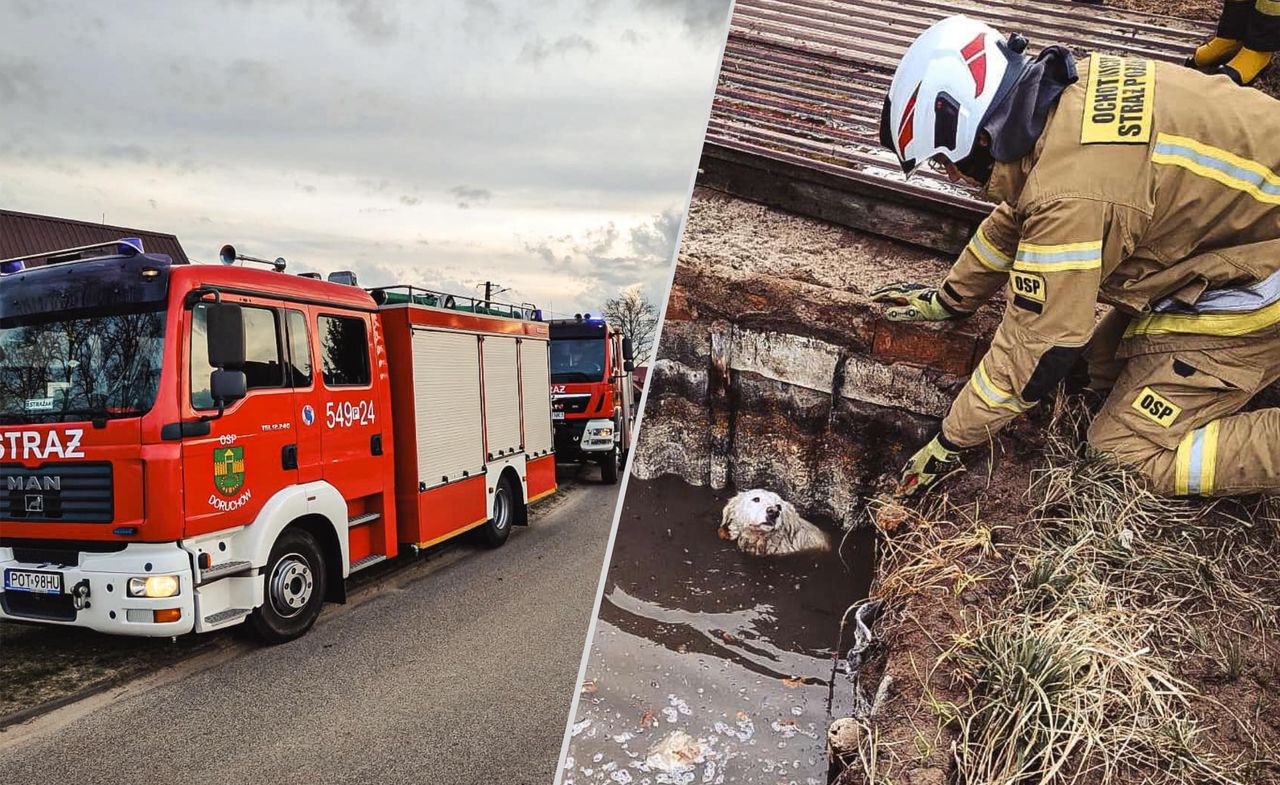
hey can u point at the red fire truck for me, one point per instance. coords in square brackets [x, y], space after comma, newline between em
[592, 397]
[187, 447]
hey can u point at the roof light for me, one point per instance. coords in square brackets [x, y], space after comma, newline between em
[345, 277]
[12, 266]
[134, 242]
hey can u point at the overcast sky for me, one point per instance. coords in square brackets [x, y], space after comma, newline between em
[544, 144]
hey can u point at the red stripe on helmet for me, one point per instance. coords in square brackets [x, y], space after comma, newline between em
[975, 56]
[906, 131]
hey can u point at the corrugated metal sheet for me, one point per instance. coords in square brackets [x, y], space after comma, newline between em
[22, 234]
[803, 81]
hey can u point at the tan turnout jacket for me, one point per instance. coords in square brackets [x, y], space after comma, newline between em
[1151, 185]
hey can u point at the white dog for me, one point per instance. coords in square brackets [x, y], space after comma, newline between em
[763, 524]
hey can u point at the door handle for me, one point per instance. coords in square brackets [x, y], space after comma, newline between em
[289, 457]
[375, 444]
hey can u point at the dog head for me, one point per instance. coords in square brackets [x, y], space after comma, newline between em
[757, 511]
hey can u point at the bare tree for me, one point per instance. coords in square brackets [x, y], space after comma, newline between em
[638, 320]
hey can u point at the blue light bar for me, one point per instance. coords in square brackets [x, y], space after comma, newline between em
[12, 266]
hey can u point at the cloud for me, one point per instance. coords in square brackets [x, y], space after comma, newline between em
[372, 21]
[125, 152]
[538, 50]
[605, 260]
[538, 144]
[468, 196]
[700, 17]
[21, 80]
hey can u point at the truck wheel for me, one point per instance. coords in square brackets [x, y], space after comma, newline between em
[498, 529]
[609, 466]
[293, 592]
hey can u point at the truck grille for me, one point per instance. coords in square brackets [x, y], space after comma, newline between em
[571, 404]
[58, 607]
[57, 493]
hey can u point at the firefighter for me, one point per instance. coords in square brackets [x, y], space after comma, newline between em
[1114, 185]
[1248, 35]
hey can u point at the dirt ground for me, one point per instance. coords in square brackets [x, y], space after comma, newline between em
[42, 663]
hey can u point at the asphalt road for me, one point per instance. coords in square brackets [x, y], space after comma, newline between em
[457, 670]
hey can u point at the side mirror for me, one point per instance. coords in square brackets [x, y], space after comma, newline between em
[227, 386]
[628, 353]
[224, 330]
[628, 366]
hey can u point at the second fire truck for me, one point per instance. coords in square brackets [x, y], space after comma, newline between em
[593, 399]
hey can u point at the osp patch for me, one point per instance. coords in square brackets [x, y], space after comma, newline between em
[1029, 290]
[1156, 408]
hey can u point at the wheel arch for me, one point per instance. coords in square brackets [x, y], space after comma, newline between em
[320, 527]
[521, 512]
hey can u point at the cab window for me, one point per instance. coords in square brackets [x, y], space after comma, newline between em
[263, 367]
[344, 351]
[299, 349]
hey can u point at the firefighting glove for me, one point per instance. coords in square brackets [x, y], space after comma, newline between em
[934, 461]
[913, 302]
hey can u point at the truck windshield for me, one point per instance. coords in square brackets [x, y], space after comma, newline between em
[67, 368]
[577, 360]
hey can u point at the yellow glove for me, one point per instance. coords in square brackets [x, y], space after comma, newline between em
[934, 461]
[915, 303]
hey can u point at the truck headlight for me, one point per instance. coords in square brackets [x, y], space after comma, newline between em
[154, 586]
[601, 433]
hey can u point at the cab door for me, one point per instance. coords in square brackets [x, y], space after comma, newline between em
[352, 422]
[250, 452]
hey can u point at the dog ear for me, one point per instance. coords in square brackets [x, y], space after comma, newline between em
[727, 514]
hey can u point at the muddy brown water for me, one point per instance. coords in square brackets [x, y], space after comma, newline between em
[711, 666]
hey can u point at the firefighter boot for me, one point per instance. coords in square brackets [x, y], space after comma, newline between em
[1246, 66]
[1214, 52]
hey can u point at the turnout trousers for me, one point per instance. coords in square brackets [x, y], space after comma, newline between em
[1174, 408]
[1255, 23]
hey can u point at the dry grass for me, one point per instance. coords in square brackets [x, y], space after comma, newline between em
[1095, 631]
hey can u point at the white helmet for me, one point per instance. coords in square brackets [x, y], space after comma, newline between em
[947, 82]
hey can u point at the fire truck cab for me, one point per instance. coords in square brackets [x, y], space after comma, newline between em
[187, 447]
[593, 401]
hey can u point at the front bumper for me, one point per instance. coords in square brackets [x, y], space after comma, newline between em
[578, 439]
[106, 607]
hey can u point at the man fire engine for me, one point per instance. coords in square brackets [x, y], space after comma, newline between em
[186, 447]
[1144, 185]
[593, 399]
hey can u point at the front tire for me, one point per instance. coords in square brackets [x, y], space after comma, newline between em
[505, 502]
[294, 588]
[610, 465]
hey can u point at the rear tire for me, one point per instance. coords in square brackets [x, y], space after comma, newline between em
[610, 465]
[505, 502]
[293, 590]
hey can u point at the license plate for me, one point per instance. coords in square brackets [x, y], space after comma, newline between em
[557, 415]
[37, 582]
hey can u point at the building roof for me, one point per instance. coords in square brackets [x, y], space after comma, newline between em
[23, 234]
